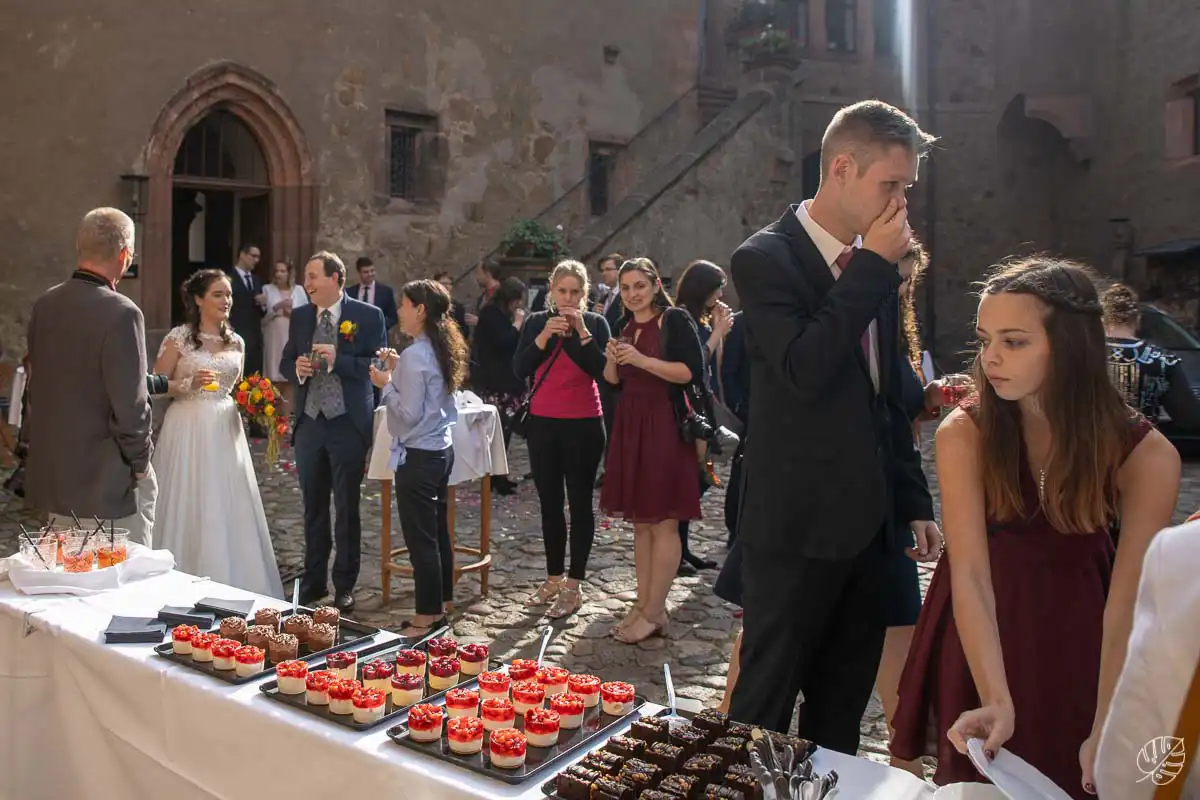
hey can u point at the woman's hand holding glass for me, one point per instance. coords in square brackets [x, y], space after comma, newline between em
[383, 366]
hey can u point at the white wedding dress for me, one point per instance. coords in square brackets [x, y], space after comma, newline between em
[209, 512]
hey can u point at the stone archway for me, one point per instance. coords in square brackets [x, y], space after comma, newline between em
[257, 103]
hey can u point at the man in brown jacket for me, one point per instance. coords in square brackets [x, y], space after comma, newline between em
[89, 411]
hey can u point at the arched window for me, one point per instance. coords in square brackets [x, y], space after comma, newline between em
[221, 147]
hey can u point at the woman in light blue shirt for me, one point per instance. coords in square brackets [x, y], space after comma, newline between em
[418, 391]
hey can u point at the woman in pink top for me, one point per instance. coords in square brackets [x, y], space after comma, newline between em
[561, 351]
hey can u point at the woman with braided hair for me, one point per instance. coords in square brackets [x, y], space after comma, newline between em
[1024, 628]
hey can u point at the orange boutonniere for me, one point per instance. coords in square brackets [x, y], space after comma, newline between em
[348, 329]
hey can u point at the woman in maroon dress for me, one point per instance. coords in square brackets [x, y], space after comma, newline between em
[1024, 629]
[651, 475]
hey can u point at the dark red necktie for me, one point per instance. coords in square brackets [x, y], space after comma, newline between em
[865, 339]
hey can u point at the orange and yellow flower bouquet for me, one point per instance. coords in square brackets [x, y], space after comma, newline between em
[256, 398]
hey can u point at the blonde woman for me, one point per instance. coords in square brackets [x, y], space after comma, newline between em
[561, 350]
[283, 294]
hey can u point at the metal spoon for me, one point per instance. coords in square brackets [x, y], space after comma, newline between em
[673, 719]
[545, 643]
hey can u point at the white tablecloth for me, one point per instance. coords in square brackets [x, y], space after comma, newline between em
[82, 719]
[478, 445]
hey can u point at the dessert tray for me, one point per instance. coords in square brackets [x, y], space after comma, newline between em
[348, 634]
[558, 748]
[374, 667]
[706, 758]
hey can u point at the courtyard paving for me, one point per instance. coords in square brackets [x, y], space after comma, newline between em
[703, 628]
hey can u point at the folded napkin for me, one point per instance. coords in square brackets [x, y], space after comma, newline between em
[187, 615]
[30, 577]
[224, 607]
[134, 630]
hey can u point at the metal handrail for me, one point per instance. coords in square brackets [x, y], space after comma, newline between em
[583, 181]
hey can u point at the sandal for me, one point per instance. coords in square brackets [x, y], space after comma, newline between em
[624, 635]
[545, 593]
[634, 614]
[568, 602]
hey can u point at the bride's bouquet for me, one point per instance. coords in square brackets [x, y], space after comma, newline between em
[255, 398]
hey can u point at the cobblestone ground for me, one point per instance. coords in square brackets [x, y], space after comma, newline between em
[702, 631]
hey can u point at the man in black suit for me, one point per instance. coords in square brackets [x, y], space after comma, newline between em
[334, 410]
[834, 482]
[249, 305]
[372, 292]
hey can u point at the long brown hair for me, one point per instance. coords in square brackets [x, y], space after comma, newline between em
[448, 344]
[193, 291]
[1090, 426]
[661, 300]
[910, 331]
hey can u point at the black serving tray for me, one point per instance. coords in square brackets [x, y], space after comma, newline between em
[385, 650]
[570, 745]
[350, 635]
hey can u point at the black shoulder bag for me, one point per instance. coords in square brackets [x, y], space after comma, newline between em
[520, 420]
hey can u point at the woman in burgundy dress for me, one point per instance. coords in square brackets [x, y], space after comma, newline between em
[1024, 629]
[651, 475]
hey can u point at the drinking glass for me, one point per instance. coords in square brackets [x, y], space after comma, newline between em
[79, 551]
[112, 547]
[955, 389]
[40, 550]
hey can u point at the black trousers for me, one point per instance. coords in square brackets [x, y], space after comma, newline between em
[733, 491]
[330, 455]
[566, 452]
[422, 485]
[815, 627]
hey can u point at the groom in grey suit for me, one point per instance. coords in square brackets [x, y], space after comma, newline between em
[89, 411]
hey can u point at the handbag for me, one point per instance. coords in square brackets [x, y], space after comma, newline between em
[695, 413]
[520, 420]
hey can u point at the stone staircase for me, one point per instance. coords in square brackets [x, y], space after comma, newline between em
[712, 99]
[587, 245]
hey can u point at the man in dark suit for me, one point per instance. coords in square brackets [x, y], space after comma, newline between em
[89, 413]
[372, 292]
[833, 479]
[249, 305]
[331, 343]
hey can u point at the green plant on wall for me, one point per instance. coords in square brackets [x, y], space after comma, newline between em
[769, 42]
[528, 238]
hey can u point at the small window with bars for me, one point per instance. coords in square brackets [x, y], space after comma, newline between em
[602, 161]
[412, 159]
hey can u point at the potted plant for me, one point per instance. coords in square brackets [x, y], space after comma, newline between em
[769, 46]
[528, 238]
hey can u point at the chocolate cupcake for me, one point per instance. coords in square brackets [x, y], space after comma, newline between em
[639, 774]
[650, 729]
[234, 628]
[575, 783]
[298, 625]
[259, 636]
[686, 787]
[268, 617]
[602, 761]
[731, 749]
[667, 756]
[706, 767]
[283, 647]
[626, 746]
[327, 615]
[321, 637]
[608, 789]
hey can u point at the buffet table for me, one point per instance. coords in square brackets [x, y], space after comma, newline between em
[85, 719]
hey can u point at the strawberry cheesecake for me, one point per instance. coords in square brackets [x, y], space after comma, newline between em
[494, 684]
[554, 679]
[443, 673]
[616, 698]
[378, 674]
[316, 687]
[181, 639]
[341, 695]
[443, 647]
[473, 658]
[570, 709]
[587, 687]
[465, 735]
[222, 651]
[507, 749]
[497, 713]
[411, 662]
[291, 676]
[345, 664]
[407, 690]
[368, 705]
[462, 703]
[527, 695]
[202, 646]
[522, 669]
[250, 661]
[541, 727]
[425, 723]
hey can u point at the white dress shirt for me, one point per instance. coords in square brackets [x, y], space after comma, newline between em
[1164, 647]
[830, 248]
[247, 279]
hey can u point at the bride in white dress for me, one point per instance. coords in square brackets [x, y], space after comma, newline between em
[209, 512]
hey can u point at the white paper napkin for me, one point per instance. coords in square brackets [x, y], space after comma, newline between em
[30, 577]
[1014, 775]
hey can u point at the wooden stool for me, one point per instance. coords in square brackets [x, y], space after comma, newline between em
[481, 554]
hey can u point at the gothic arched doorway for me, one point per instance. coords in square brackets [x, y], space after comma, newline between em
[229, 143]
